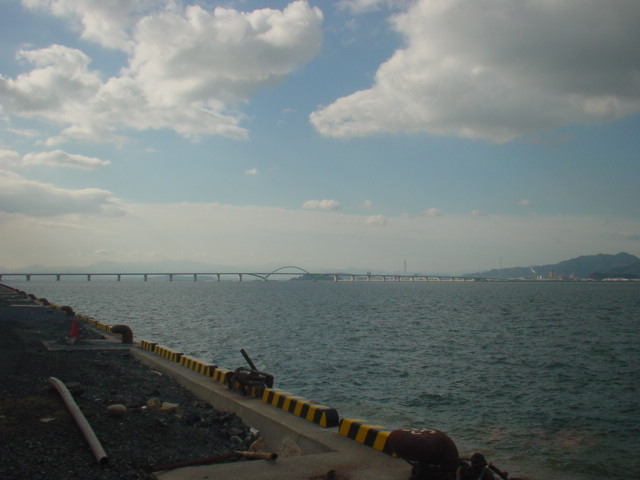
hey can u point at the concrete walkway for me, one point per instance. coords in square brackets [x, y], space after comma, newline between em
[315, 452]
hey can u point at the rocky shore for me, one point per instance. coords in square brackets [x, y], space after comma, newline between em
[142, 418]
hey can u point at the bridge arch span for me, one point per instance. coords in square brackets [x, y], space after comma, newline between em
[266, 277]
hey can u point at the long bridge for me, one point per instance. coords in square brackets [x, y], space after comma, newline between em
[219, 276]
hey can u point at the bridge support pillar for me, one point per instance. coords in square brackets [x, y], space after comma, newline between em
[119, 277]
[218, 276]
[28, 278]
[58, 278]
[239, 277]
[195, 277]
[335, 278]
[88, 278]
[145, 277]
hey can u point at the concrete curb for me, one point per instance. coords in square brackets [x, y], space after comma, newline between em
[323, 449]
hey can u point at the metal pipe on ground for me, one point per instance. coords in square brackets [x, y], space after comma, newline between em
[214, 459]
[125, 331]
[81, 421]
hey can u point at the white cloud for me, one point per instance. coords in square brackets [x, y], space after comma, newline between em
[107, 23]
[497, 70]
[9, 159]
[367, 204]
[225, 54]
[189, 70]
[434, 212]
[60, 158]
[251, 171]
[524, 203]
[28, 197]
[23, 132]
[58, 89]
[375, 221]
[57, 158]
[331, 205]
[364, 6]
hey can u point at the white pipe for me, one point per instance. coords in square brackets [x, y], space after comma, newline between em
[85, 428]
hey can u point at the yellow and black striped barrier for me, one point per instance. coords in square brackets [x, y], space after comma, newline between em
[374, 436]
[197, 365]
[221, 375]
[84, 318]
[147, 345]
[309, 410]
[103, 326]
[167, 353]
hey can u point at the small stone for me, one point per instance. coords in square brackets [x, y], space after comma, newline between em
[154, 403]
[167, 407]
[234, 431]
[260, 445]
[117, 410]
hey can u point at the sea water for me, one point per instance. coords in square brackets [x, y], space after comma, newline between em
[542, 378]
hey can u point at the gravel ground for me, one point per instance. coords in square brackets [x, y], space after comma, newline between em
[38, 437]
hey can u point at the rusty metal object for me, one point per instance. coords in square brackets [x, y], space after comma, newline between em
[246, 378]
[68, 310]
[477, 468]
[500, 473]
[125, 331]
[258, 455]
[248, 359]
[81, 421]
[432, 453]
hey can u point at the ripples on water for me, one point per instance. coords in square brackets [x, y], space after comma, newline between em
[543, 378]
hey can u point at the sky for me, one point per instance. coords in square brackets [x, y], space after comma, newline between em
[347, 135]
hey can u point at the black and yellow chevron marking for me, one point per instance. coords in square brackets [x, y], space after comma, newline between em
[103, 326]
[374, 436]
[197, 365]
[314, 412]
[221, 375]
[147, 345]
[167, 353]
[84, 318]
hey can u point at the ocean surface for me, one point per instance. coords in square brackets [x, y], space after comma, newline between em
[542, 378]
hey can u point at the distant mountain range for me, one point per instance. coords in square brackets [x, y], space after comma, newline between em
[622, 265]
